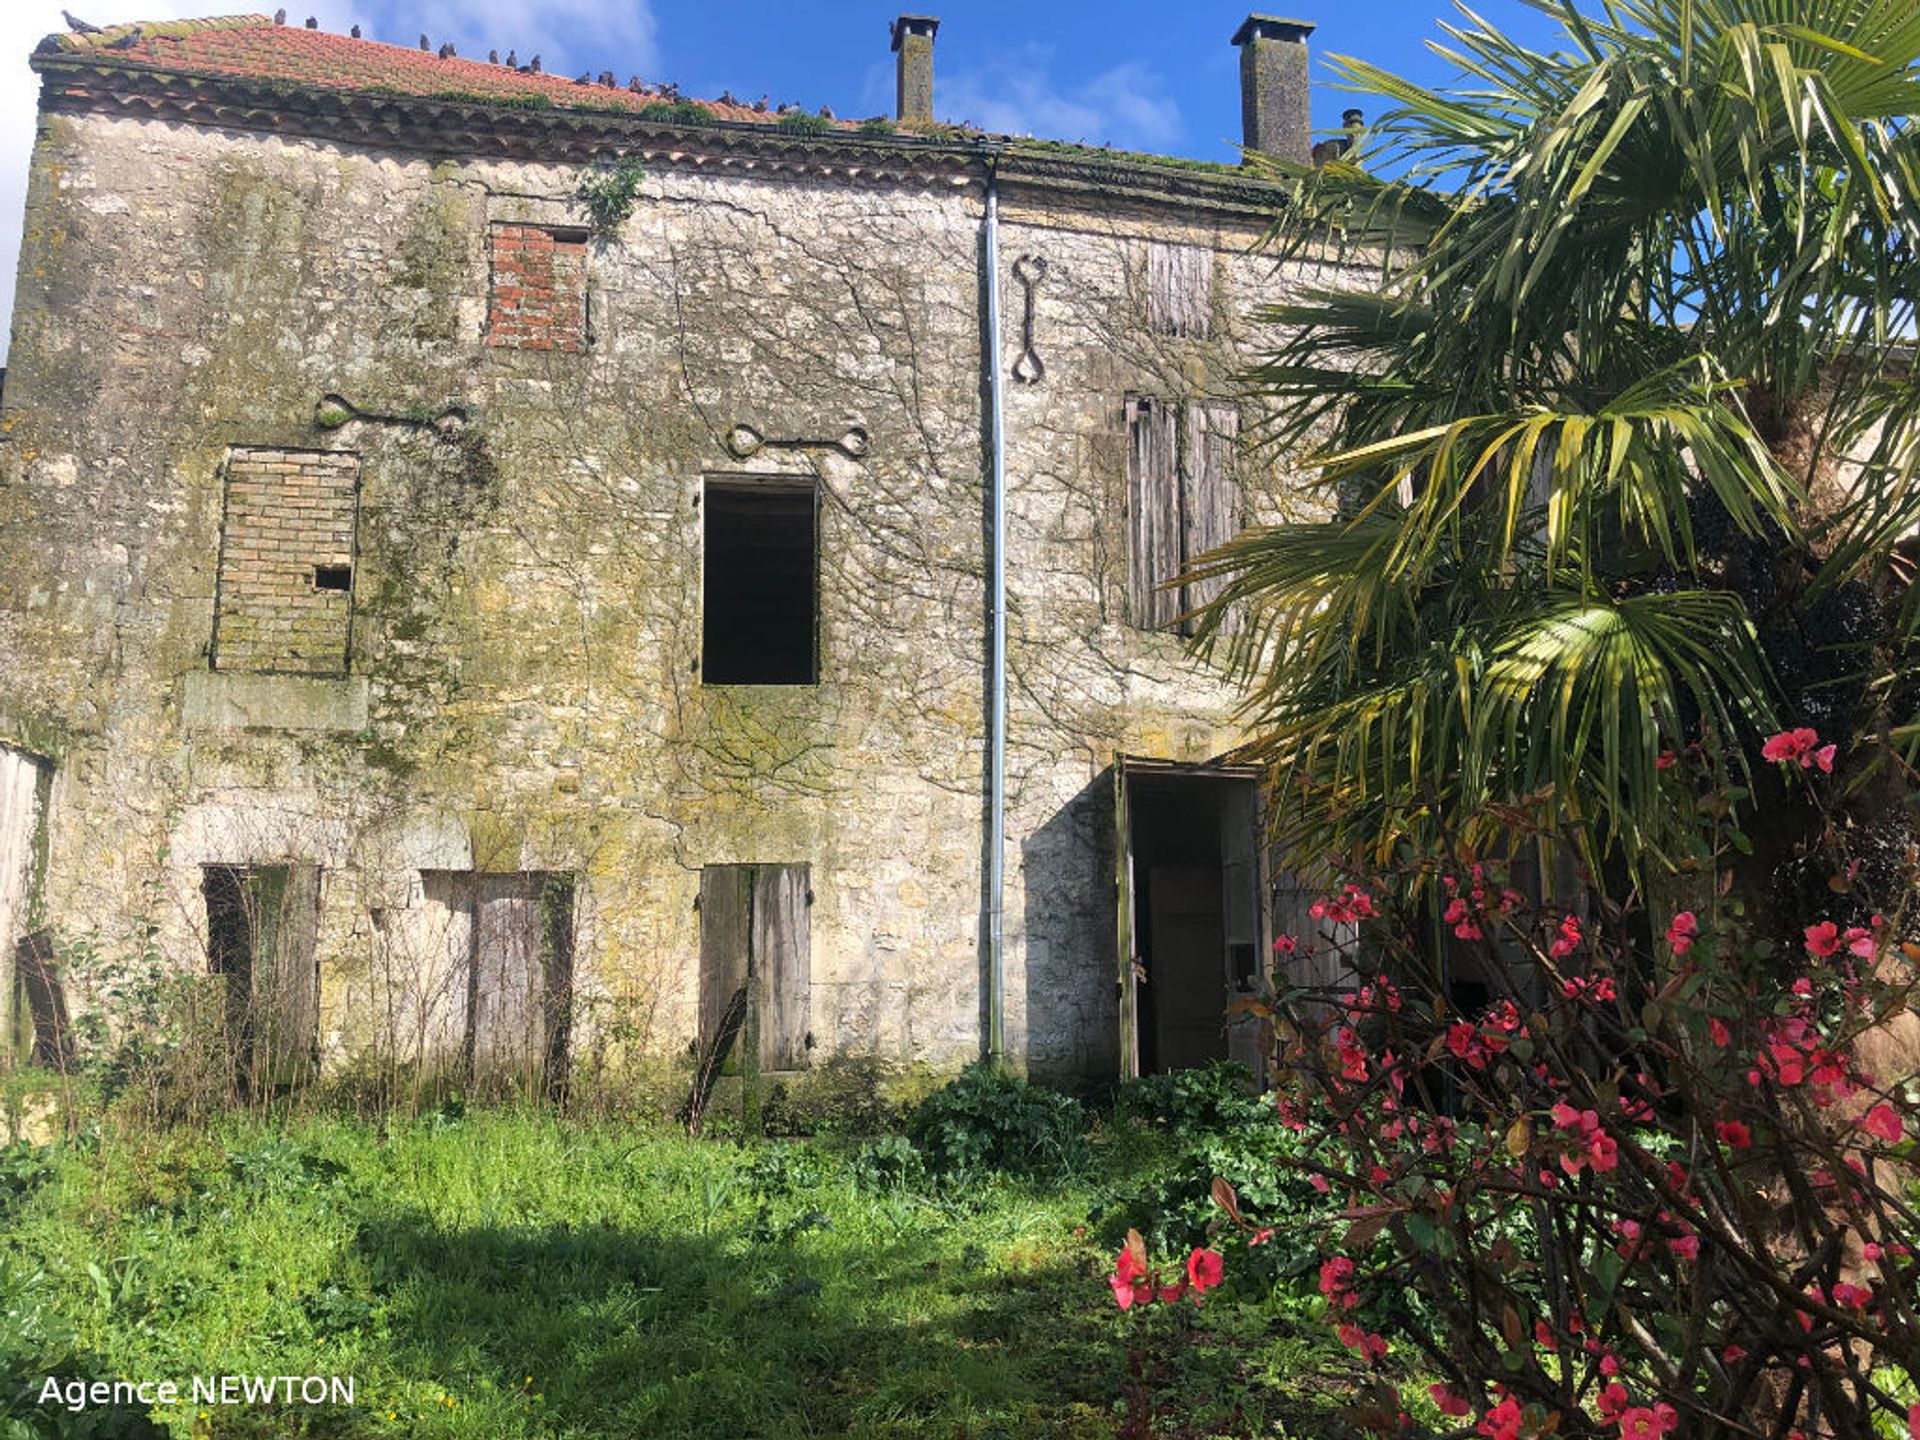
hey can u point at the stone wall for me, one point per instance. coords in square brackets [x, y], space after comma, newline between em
[521, 691]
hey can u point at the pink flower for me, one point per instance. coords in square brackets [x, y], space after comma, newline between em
[1568, 1118]
[1568, 940]
[1320, 1183]
[1648, 1423]
[1352, 906]
[1733, 1133]
[1791, 745]
[1883, 1123]
[1734, 1354]
[1717, 1031]
[1613, 1401]
[1336, 1281]
[1823, 939]
[1604, 1152]
[1502, 1422]
[1260, 1237]
[1205, 1269]
[1373, 1348]
[1913, 1422]
[1449, 1401]
[1544, 1337]
[1681, 932]
[1685, 1247]
[1823, 757]
[1130, 1282]
[1285, 945]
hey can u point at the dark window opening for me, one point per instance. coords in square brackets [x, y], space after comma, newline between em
[761, 587]
[333, 577]
[262, 922]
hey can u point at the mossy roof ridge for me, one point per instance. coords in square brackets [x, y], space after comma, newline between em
[254, 51]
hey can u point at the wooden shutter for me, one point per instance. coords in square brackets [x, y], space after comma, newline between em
[286, 985]
[725, 891]
[509, 983]
[1153, 512]
[557, 894]
[1209, 494]
[24, 780]
[1180, 289]
[754, 930]
[782, 963]
[46, 1001]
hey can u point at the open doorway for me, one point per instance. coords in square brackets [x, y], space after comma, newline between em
[1189, 887]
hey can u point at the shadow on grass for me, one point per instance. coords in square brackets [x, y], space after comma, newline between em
[596, 1330]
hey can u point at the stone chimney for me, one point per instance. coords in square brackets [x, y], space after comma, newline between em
[1352, 122]
[1275, 115]
[913, 43]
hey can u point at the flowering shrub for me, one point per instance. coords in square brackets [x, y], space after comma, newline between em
[1647, 1183]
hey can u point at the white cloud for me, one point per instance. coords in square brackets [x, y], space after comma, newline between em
[568, 35]
[1127, 106]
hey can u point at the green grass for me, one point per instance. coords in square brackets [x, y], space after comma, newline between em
[518, 1275]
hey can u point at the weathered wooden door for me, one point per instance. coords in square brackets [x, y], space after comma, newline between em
[754, 933]
[508, 1021]
[24, 782]
[1128, 956]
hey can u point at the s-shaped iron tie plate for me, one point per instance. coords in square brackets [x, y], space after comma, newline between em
[1029, 368]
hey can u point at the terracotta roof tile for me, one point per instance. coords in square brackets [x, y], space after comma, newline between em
[253, 47]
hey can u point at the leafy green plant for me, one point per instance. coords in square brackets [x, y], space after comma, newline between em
[609, 193]
[888, 1163]
[678, 112]
[878, 125]
[990, 1120]
[1622, 1193]
[781, 1170]
[1199, 1125]
[1614, 435]
[804, 122]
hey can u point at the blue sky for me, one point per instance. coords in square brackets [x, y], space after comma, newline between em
[1138, 75]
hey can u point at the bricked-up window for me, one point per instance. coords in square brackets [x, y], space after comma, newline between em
[760, 583]
[538, 296]
[284, 602]
[1182, 501]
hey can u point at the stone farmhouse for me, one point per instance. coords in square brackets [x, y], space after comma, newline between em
[502, 570]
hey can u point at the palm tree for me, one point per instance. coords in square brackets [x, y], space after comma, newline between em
[1611, 405]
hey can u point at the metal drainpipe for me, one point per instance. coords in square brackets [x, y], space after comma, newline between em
[997, 612]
